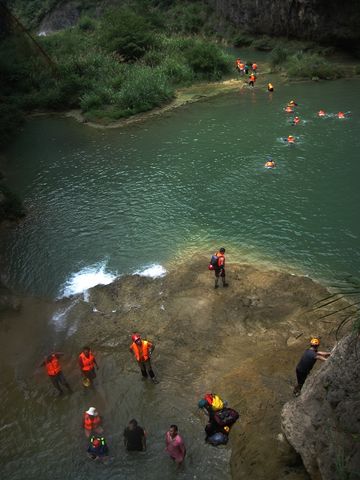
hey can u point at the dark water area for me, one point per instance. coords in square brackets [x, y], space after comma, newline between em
[114, 201]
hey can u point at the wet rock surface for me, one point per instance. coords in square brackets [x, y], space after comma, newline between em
[242, 342]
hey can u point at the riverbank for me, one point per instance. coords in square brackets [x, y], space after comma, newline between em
[242, 342]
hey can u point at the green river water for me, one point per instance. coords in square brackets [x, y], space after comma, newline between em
[103, 203]
[115, 201]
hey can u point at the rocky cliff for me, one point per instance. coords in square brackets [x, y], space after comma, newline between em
[331, 21]
[323, 424]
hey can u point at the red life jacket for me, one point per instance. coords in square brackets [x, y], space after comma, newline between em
[91, 422]
[53, 366]
[87, 362]
[221, 259]
[145, 354]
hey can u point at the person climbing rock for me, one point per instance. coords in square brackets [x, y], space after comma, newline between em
[92, 422]
[134, 437]
[54, 371]
[98, 448]
[307, 362]
[142, 350]
[175, 445]
[217, 263]
[87, 363]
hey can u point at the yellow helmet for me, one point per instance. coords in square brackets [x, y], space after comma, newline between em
[226, 428]
[315, 342]
[86, 382]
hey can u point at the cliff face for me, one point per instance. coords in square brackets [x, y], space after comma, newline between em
[323, 424]
[332, 21]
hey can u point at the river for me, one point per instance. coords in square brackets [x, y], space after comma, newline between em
[103, 203]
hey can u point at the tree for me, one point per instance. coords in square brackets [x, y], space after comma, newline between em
[127, 34]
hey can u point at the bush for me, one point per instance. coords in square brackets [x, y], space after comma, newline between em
[278, 56]
[143, 90]
[242, 40]
[207, 61]
[177, 71]
[264, 43]
[127, 34]
[308, 65]
[87, 24]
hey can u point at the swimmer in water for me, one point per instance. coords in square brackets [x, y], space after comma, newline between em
[296, 121]
[341, 115]
[270, 163]
[321, 113]
[290, 140]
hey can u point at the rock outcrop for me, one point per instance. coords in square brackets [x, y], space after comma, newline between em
[323, 424]
[331, 21]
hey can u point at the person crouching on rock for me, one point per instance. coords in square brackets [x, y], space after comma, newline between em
[142, 350]
[98, 449]
[307, 362]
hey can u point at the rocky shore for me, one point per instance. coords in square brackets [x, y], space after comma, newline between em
[242, 342]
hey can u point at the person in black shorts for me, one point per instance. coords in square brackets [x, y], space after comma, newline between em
[134, 437]
[307, 362]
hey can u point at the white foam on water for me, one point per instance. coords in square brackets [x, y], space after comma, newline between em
[86, 278]
[154, 271]
[59, 317]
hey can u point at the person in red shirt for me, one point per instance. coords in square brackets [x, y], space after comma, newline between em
[87, 364]
[54, 371]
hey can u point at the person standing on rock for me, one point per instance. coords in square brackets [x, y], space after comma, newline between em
[87, 364]
[54, 371]
[217, 263]
[307, 362]
[142, 350]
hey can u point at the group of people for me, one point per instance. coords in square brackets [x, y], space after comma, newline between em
[134, 438]
[244, 68]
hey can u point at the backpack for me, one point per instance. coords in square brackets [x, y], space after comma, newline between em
[226, 417]
[214, 401]
[213, 262]
[218, 439]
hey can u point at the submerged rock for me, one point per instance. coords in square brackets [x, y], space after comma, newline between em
[323, 424]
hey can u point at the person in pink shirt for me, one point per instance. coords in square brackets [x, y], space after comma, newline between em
[175, 446]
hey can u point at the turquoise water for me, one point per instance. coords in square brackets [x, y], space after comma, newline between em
[121, 200]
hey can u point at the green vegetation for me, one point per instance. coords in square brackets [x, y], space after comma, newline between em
[111, 67]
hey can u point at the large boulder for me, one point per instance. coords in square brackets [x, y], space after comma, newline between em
[323, 423]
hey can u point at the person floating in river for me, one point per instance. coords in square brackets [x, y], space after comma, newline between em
[54, 371]
[92, 422]
[134, 437]
[307, 362]
[270, 163]
[175, 445]
[217, 263]
[142, 350]
[87, 363]
[296, 121]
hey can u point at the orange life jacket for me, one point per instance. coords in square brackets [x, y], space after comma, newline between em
[90, 422]
[88, 363]
[254, 66]
[321, 113]
[141, 356]
[241, 66]
[53, 367]
[341, 115]
[291, 140]
[221, 259]
[252, 78]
